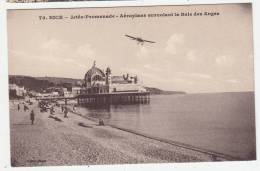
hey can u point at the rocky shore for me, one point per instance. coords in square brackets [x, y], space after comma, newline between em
[54, 140]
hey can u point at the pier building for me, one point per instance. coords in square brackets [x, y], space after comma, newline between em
[104, 88]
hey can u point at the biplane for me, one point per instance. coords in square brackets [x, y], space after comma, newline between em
[138, 39]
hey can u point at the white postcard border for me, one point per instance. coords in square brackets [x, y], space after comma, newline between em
[4, 106]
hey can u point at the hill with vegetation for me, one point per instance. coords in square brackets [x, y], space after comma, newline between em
[30, 83]
[60, 80]
[163, 92]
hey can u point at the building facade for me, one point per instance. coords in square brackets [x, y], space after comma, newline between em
[16, 90]
[96, 81]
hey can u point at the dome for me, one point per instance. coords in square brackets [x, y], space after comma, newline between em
[94, 71]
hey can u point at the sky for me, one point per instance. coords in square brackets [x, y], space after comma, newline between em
[192, 53]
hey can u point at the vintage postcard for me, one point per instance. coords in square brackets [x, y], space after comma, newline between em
[130, 85]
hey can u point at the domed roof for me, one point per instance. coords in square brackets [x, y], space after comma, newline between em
[94, 71]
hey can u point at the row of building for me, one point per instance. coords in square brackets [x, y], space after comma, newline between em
[18, 91]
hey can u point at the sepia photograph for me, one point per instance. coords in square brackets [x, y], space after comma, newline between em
[131, 85]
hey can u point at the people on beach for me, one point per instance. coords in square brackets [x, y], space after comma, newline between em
[74, 108]
[66, 112]
[62, 108]
[43, 106]
[43, 109]
[18, 107]
[101, 122]
[32, 117]
[52, 110]
[25, 108]
[30, 102]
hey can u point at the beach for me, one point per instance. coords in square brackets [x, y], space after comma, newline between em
[54, 141]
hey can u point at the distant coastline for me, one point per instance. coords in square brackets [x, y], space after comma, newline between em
[163, 92]
[36, 83]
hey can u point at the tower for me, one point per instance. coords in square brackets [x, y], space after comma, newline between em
[108, 76]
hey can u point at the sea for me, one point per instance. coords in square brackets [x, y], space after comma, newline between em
[218, 122]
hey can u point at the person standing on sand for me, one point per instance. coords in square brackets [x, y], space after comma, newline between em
[18, 107]
[51, 110]
[66, 112]
[62, 108]
[101, 122]
[25, 107]
[32, 116]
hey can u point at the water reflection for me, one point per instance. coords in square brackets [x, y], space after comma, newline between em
[104, 112]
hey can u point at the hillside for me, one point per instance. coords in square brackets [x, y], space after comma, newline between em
[60, 80]
[159, 91]
[30, 83]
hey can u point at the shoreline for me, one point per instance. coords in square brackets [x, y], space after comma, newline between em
[213, 154]
[78, 140]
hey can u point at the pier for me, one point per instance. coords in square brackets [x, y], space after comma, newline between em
[56, 99]
[114, 98]
[104, 98]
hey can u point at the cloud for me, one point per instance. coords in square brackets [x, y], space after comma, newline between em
[182, 80]
[193, 75]
[28, 57]
[152, 68]
[17, 53]
[142, 53]
[174, 41]
[85, 51]
[54, 49]
[47, 59]
[233, 81]
[54, 44]
[223, 60]
[200, 75]
[60, 50]
[54, 54]
[191, 56]
[129, 70]
[75, 63]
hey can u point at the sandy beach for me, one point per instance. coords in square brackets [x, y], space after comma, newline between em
[54, 141]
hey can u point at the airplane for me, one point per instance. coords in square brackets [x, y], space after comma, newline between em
[139, 40]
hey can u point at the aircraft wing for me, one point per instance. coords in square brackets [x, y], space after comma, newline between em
[130, 36]
[149, 41]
